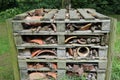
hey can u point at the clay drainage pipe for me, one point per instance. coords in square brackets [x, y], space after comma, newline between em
[83, 51]
[37, 76]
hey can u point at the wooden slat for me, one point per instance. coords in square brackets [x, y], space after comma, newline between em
[48, 16]
[47, 10]
[20, 16]
[74, 15]
[60, 60]
[111, 48]
[97, 15]
[60, 15]
[85, 15]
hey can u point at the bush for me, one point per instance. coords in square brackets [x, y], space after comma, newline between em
[102, 6]
[9, 13]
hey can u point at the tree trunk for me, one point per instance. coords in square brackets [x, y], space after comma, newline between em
[66, 4]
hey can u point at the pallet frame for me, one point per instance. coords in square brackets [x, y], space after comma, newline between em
[14, 49]
[62, 68]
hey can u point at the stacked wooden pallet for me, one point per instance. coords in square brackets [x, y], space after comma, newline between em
[54, 43]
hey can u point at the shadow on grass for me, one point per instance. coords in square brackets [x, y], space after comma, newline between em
[6, 70]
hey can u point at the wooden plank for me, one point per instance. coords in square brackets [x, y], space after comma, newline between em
[88, 32]
[24, 74]
[48, 10]
[31, 45]
[85, 15]
[22, 65]
[13, 51]
[74, 15]
[17, 26]
[102, 65]
[61, 60]
[61, 15]
[48, 16]
[65, 21]
[41, 69]
[61, 39]
[97, 15]
[18, 40]
[61, 74]
[105, 26]
[61, 52]
[86, 9]
[61, 27]
[110, 49]
[61, 65]
[101, 75]
[20, 16]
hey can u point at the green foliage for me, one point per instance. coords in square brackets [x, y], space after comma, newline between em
[7, 4]
[116, 69]
[102, 6]
[9, 13]
[117, 41]
[66, 77]
[23, 7]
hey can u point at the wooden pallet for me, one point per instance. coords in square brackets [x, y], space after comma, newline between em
[61, 53]
[62, 69]
[60, 39]
[74, 14]
[61, 64]
[61, 18]
[103, 26]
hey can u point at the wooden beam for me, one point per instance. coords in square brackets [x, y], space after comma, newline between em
[110, 49]
[13, 50]
[66, 4]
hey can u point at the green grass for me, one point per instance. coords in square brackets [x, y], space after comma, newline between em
[4, 45]
[116, 59]
[117, 40]
[116, 69]
[6, 71]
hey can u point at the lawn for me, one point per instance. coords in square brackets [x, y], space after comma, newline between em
[4, 45]
[116, 60]
[6, 72]
[5, 68]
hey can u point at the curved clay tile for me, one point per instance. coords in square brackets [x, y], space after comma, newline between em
[46, 51]
[38, 41]
[69, 38]
[54, 27]
[81, 41]
[35, 53]
[52, 74]
[70, 51]
[54, 66]
[86, 27]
